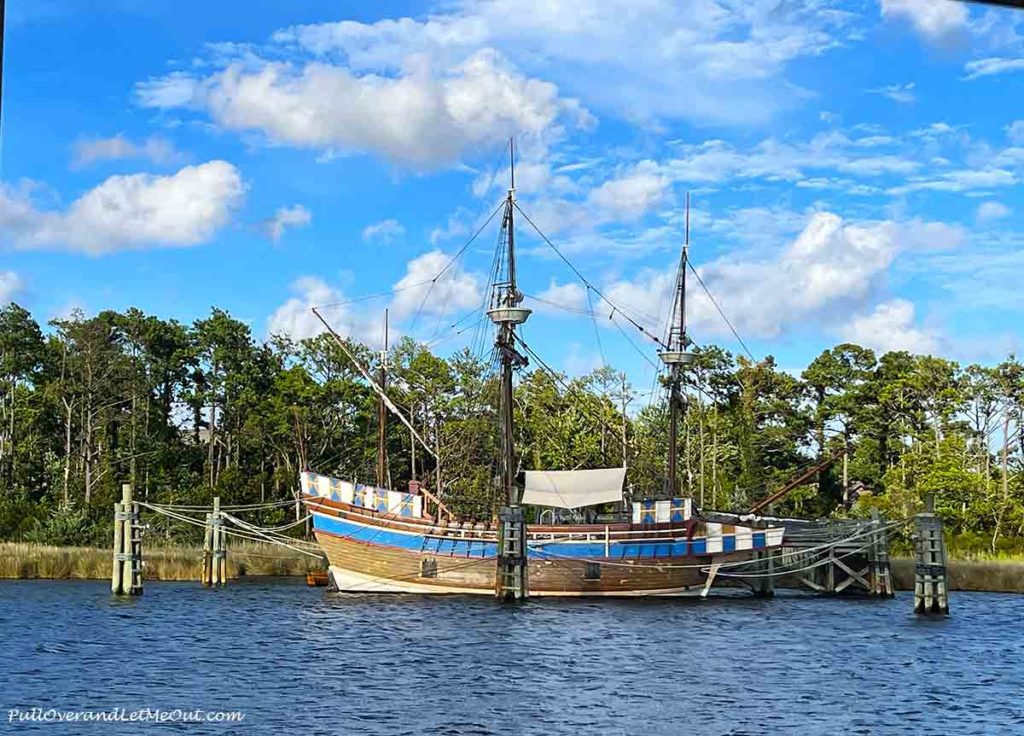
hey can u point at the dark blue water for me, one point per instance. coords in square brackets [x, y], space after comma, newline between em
[297, 661]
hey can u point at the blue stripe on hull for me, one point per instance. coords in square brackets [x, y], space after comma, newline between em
[477, 548]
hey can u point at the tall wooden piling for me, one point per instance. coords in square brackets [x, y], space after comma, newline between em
[881, 573]
[220, 552]
[206, 576]
[215, 563]
[126, 572]
[931, 589]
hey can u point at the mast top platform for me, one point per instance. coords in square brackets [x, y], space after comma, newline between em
[510, 315]
[676, 357]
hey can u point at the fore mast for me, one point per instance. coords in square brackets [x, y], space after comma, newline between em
[676, 357]
[505, 312]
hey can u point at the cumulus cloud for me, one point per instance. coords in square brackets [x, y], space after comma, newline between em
[295, 318]
[891, 326]
[937, 21]
[709, 62]
[420, 117]
[991, 211]
[10, 286]
[383, 233]
[286, 218]
[633, 194]
[424, 289]
[829, 269]
[1015, 131]
[88, 151]
[570, 296]
[129, 212]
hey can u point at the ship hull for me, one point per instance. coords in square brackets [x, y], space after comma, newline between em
[373, 552]
[358, 567]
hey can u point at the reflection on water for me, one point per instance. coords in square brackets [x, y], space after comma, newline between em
[298, 661]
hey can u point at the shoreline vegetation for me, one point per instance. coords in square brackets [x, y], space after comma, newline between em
[26, 561]
[189, 412]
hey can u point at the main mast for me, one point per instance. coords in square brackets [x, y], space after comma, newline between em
[506, 313]
[676, 357]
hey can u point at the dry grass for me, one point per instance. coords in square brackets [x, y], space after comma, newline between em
[993, 576]
[20, 560]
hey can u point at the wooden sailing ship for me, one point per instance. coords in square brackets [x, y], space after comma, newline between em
[378, 539]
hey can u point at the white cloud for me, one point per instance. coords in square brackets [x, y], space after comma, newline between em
[715, 161]
[424, 289]
[830, 268]
[938, 21]
[421, 117]
[454, 227]
[890, 326]
[902, 93]
[295, 216]
[991, 211]
[569, 296]
[383, 233]
[10, 286]
[1015, 131]
[295, 318]
[704, 61]
[129, 212]
[993, 65]
[633, 194]
[91, 150]
[962, 180]
[69, 309]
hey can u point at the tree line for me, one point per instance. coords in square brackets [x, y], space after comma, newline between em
[188, 411]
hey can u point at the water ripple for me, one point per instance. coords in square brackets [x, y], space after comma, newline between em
[298, 661]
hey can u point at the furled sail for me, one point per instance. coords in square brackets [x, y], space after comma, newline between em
[573, 489]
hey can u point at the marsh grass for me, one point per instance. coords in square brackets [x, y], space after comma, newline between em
[995, 575]
[25, 560]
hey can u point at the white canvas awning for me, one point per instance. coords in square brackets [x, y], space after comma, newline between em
[573, 489]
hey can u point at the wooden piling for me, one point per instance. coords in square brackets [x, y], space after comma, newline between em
[881, 573]
[115, 576]
[206, 576]
[931, 590]
[215, 564]
[126, 572]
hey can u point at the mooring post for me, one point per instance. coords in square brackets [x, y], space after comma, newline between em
[206, 574]
[126, 572]
[115, 575]
[219, 560]
[511, 573]
[931, 591]
[764, 586]
[881, 574]
[136, 561]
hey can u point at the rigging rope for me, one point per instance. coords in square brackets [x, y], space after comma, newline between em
[720, 312]
[587, 283]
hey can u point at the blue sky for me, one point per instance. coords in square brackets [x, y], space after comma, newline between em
[855, 167]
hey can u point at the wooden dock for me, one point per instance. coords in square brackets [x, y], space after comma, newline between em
[829, 557]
